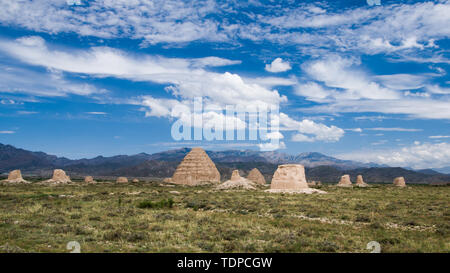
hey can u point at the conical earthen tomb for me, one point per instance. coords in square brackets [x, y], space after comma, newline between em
[196, 169]
[256, 177]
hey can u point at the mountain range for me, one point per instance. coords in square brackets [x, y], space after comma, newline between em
[163, 164]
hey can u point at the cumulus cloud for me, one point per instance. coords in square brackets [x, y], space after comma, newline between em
[314, 91]
[418, 156]
[271, 147]
[278, 65]
[185, 80]
[188, 77]
[337, 72]
[340, 85]
[310, 131]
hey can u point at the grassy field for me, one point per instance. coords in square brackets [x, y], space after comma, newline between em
[149, 217]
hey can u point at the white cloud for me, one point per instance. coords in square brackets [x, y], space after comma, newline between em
[387, 28]
[381, 142]
[163, 21]
[309, 131]
[398, 29]
[314, 91]
[275, 135]
[435, 89]
[213, 61]
[96, 113]
[418, 156]
[270, 82]
[348, 89]
[42, 83]
[271, 146]
[403, 81]
[160, 107]
[9, 102]
[27, 112]
[371, 118]
[394, 129]
[438, 137]
[184, 112]
[278, 65]
[357, 130]
[301, 138]
[337, 72]
[7, 132]
[188, 78]
[416, 108]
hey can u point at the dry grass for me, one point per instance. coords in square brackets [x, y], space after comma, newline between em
[107, 217]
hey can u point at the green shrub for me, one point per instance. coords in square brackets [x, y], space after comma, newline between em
[165, 203]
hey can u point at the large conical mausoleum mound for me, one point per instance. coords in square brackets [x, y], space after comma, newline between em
[196, 169]
[237, 182]
[15, 177]
[345, 181]
[256, 177]
[59, 177]
[400, 182]
[360, 182]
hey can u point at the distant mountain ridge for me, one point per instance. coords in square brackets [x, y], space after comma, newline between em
[163, 164]
[445, 170]
[309, 159]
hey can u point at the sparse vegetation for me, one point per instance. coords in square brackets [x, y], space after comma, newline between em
[36, 218]
[165, 203]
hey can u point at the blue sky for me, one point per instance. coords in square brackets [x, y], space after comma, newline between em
[352, 80]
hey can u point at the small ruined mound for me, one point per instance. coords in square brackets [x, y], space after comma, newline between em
[122, 180]
[59, 177]
[360, 181]
[289, 177]
[235, 176]
[196, 169]
[15, 177]
[89, 179]
[256, 177]
[237, 181]
[400, 182]
[135, 180]
[345, 181]
[314, 183]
